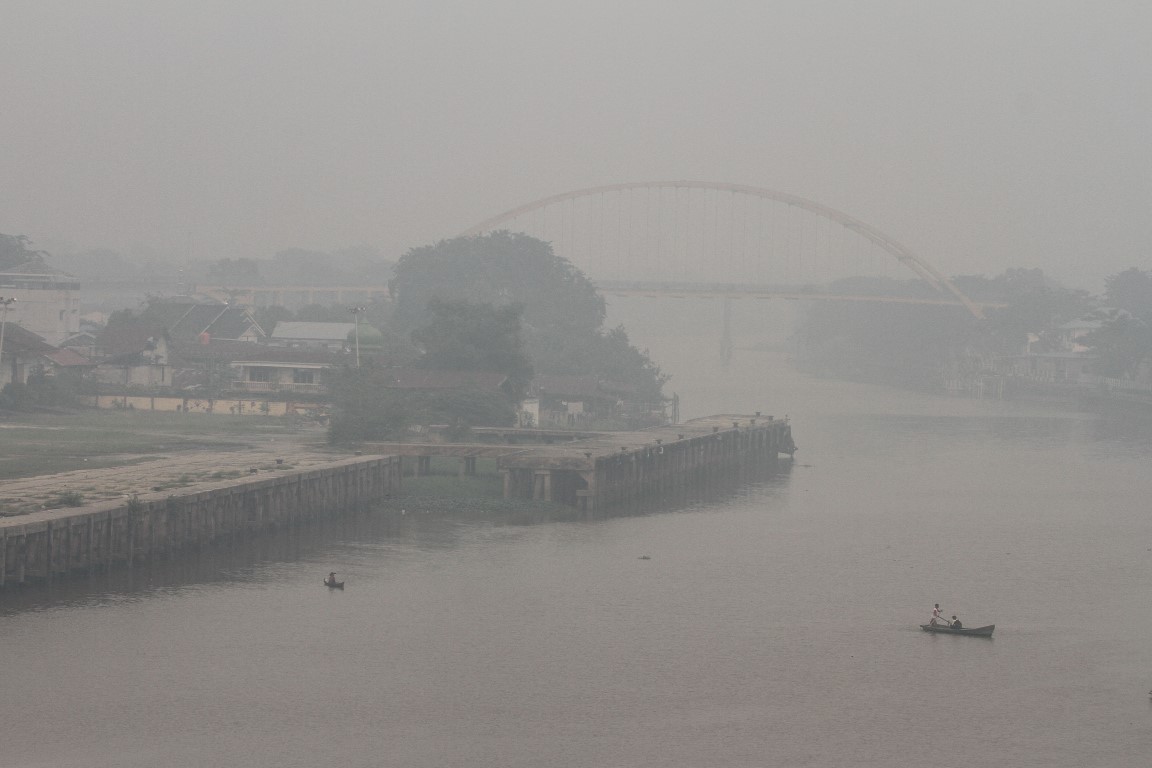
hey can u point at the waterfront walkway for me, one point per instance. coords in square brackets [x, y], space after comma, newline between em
[177, 472]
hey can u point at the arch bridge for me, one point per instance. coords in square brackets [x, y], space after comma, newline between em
[700, 238]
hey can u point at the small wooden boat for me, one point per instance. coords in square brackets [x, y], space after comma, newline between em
[946, 630]
[333, 584]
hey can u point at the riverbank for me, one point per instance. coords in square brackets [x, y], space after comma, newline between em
[72, 460]
[43, 444]
[57, 542]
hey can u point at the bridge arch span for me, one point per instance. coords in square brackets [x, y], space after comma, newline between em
[889, 245]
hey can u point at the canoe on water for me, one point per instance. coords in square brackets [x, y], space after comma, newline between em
[946, 630]
[333, 584]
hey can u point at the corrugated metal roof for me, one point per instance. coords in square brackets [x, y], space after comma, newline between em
[68, 358]
[312, 331]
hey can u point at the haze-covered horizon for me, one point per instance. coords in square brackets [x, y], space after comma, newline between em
[983, 136]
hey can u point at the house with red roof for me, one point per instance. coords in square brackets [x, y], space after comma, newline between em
[21, 352]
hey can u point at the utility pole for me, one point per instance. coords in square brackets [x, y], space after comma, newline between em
[356, 318]
[5, 303]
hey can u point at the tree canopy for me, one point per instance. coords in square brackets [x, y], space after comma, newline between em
[462, 336]
[1123, 343]
[499, 268]
[368, 407]
[16, 250]
[910, 344]
[1131, 290]
[563, 313]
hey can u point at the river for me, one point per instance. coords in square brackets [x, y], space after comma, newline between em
[774, 625]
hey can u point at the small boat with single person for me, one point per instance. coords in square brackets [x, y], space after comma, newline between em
[333, 584]
[944, 629]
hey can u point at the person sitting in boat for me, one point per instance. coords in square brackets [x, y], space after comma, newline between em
[937, 615]
[331, 578]
[956, 623]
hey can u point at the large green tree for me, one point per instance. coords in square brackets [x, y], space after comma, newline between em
[1123, 343]
[1033, 303]
[16, 250]
[1120, 345]
[367, 406]
[1131, 290]
[912, 344]
[462, 336]
[499, 268]
[563, 313]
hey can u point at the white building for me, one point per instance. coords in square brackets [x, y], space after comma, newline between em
[47, 302]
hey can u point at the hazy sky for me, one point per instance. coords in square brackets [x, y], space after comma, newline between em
[983, 135]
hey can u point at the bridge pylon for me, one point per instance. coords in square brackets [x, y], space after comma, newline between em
[726, 335]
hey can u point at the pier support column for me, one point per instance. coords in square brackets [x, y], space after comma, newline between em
[22, 559]
[542, 485]
[587, 498]
[88, 544]
[48, 553]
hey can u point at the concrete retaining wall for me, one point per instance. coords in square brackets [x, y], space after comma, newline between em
[621, 468]
[55, 543]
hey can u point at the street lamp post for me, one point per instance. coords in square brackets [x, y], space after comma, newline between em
[5, 303]
[356, 319]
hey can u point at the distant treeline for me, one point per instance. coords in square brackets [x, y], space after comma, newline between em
[913, 345]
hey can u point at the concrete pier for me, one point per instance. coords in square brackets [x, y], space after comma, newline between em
[621, 467]
[598, 471]
[53, 543]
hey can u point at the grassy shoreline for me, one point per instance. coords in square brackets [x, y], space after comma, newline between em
[92, 456]
[46, 444]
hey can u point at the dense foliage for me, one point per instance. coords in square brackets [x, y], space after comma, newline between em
[1123, 343]
[367, 407]
[498, 268]
[563, 314]
[16, 250]
[899, 344]
[1131, 290]
[42, 391]
[911, 344]
[462, 336]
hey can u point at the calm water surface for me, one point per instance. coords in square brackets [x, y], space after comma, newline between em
[773, 626]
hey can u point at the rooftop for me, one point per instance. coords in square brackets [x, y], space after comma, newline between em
[305, 331]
